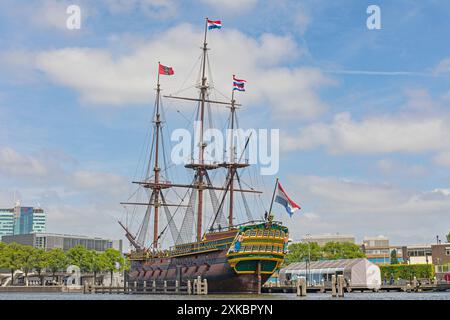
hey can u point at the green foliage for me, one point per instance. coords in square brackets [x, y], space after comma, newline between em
[79, 256]
[12, 257]
[113, 261]
[394, 259]
[302, 251]
[26, 258]
[342, 250]
[407, 271]
[56, 260]
[331, 251]
[448, 237]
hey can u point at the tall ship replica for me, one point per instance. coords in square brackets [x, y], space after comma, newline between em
[234, 257]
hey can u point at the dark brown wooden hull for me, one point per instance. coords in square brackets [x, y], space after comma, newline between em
[212, 266]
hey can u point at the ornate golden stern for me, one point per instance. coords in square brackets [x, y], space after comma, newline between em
[262, 246]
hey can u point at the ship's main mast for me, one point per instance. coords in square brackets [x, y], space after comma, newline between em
[201, 168]
[156, 169]
[202, 181]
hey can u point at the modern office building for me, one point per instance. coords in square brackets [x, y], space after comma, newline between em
[6, 222]
[48, 241]
[378, 250]
[323, 239]
[22, 220]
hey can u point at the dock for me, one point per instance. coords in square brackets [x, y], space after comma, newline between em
[195, 287]
[384, 288]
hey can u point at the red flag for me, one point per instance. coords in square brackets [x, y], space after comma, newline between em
[168, 71]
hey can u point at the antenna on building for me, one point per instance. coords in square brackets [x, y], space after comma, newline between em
[16, 201]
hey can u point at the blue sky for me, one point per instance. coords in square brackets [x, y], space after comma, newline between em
[364, 114]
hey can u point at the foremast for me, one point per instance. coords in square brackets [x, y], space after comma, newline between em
[156, 199]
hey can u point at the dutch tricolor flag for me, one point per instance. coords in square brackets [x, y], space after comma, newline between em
[214, 24]
[283, 199]
[238, 84]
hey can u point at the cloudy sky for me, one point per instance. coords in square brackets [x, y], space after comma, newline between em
[364, 114]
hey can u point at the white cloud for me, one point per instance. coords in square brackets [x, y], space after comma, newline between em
[46, 169]
[160, 9]
[235, 7]
[15, 164]
[376, 134]
[443, 66]
[443, 159]
[76, 200]
[103, 78]
[395, 168]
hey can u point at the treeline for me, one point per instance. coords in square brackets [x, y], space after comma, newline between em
[407, 271]
[28, 259]
[299, 252]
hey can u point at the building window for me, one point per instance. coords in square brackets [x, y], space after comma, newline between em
[447, 251]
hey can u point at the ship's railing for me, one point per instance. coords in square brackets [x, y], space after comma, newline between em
[198, 246]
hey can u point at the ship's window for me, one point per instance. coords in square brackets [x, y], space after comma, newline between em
[248, 248]
[263, 248]
[277, 233]
[266, 233]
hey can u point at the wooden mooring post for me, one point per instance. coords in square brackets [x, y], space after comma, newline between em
[333, 285]
[301, 287]
[189, 287]
[340, 285]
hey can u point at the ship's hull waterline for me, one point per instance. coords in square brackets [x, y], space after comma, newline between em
[234, 265]
[220, 276]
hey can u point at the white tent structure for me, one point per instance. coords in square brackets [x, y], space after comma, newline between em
[357, 272]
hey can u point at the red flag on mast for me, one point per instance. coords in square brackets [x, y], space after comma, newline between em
[168, 71]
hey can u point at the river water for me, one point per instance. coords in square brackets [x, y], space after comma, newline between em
[278, 296]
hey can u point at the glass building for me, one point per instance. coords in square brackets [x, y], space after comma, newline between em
[22, 220]
[6, 222]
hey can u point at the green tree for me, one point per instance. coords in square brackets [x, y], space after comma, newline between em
[56, 260]
[394, 259]
[303, 251]
[79, 256]
[39, 262]
[27, 260]
[12, 258]
[96, 263]
[342, 250]
[448, 237]
[3, 248]
[114, 261]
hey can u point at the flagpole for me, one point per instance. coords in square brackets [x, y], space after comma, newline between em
[273, 195]
[206, 30]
